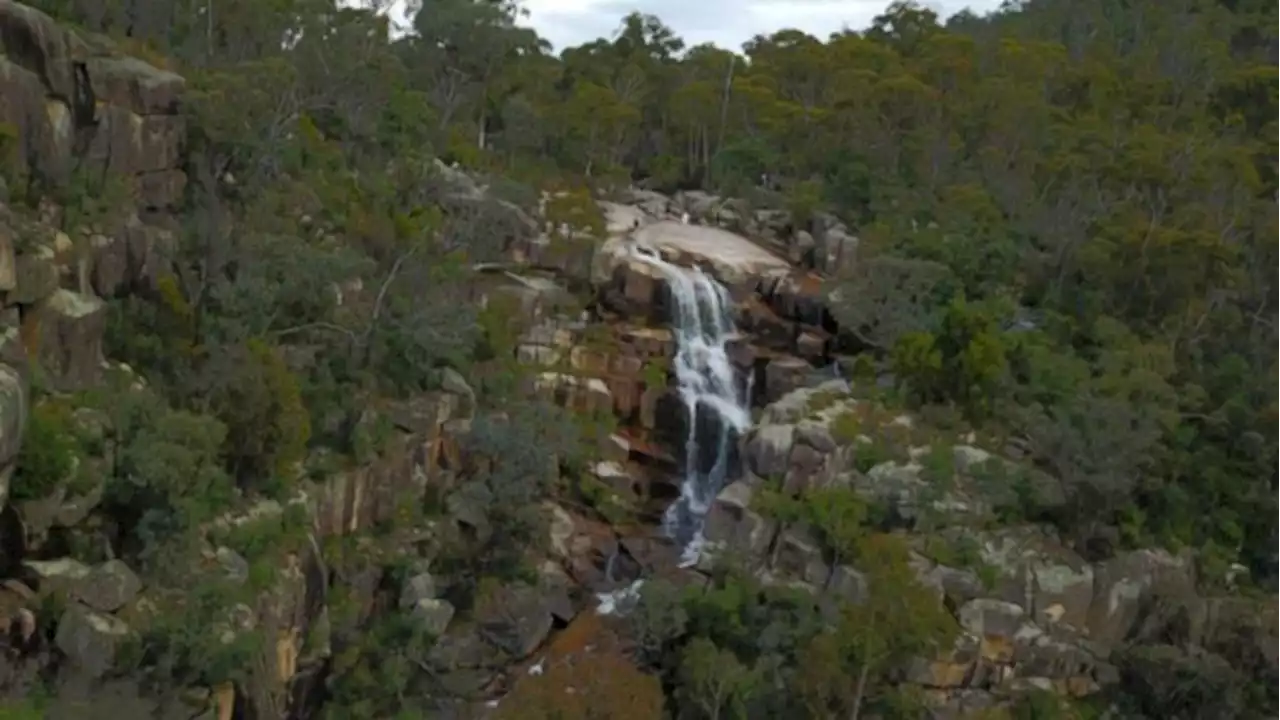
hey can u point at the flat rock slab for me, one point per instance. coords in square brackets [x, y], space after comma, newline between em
[734, 260]
[727, 253]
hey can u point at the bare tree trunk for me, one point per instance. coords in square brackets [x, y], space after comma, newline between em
[724, 111]
[859, 691]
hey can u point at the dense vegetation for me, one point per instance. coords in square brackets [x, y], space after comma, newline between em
[1067, 215]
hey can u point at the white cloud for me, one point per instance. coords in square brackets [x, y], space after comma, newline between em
[727, 23]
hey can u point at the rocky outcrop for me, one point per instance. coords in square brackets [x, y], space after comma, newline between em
[81, 107]
[821, 243]
[82, 121]
[1033, 614]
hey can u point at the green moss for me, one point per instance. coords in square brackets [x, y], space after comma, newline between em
[654, 374]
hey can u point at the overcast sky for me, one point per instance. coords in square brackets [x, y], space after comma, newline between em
[727, 23]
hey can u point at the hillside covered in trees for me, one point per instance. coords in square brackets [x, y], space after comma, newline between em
[1065, 218]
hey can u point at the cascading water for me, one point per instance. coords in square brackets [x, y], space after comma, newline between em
[717, 408]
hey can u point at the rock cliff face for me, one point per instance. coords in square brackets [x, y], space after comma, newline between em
[77, 120]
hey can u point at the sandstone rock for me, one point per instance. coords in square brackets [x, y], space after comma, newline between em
[434, 614]
[1064, 662]
[423, 414]
[8, 261]
[233, 564]
[732, 259]
[70, 346]
[938, 673]
[131, 83]
[967, 457]
[420, 597]
[799, 555]
[848, 584]
[651, 553]
[802, 246]
[540, 355]
[107, 587]
[794, 406]
[698, 203]
[132, 257]
[421, 586]
[733, 525]
[798, 297]
[13, 423]
[615, 448]
[805, 469]
[60, 91]
[452, 382]
[985, 616]
[73, 508]
[161, 190]
[585, 395]
[768, 450]
[34, 40]
[956, 585]
[896, 484]
[60, 574]
[784, 375]
[37, 275]
[816, 435]
[1123, 584]
[89, 638]
[594, 557]
[616, 477]
[561, 529]
[517, 619]
[640, 204]
[1049, 581]
[651, 343]
[639, 284]
[16, 620]
[765, 327]
[836, 250]
[40, 515]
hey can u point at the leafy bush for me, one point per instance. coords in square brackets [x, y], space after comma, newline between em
[50, 452]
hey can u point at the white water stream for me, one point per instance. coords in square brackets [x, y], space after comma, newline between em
[716, 407]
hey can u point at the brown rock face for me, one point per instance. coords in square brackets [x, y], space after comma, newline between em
[80, 102]
[70, 344]
[81, 107]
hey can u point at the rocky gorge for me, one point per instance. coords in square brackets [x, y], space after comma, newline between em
[770, 406]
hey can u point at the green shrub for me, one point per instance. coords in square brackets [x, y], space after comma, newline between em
[49, 452]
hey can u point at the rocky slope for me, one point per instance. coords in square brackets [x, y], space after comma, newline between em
[1034, 614]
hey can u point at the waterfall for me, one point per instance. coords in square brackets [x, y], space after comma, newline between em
[717, 409]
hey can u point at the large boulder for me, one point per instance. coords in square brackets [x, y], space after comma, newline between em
[734, 528]
[1124, 584]
[13, 420]
[70, 346]
[90, 639]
